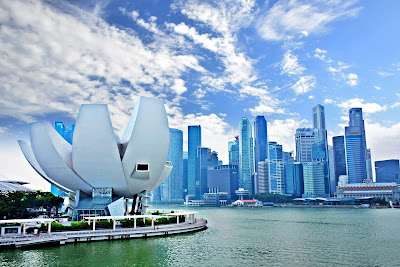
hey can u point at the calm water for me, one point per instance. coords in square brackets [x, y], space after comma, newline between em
[245, 237]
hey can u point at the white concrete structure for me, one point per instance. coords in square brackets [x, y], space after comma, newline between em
[389, 191]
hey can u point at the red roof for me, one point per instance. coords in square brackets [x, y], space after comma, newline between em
[248, 201]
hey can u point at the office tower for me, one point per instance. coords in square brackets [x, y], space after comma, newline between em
[294, 182]
[355, 146]
[246, 156]
[220, 163]
[314, 179]
[387, 171]
[305, 138]
[276, 169]
[331, 167]
[262, 176]
[194, 142]
[213, 160]
[57, 192]
[223, 178]
[69, 133]
[205, 160]
[319, 122]
[60, 128]
[339, 155]
[369, 165]
[233, 148]
[260, 140]
[175, 155]
[185, 173]
[287, 157]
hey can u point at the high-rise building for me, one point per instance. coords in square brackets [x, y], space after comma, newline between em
[276, 169]
[175, 155]
[294, 182]
[60, 128]
[319, 122]
[305, 138]
[223, 178]
[356, 148]
[233, 148]
[213, 161]
[185, 173]
[202, 163]
[262, 176]
[369, 165]
[331, 169]
[314, 179]
[246, 156]
[69, 133]
[260, 140]
[287, 157]
[387, 171]
[339, 155]
[194, 142]
[57, 192]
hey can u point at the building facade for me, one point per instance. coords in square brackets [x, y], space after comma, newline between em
[224, 178]
[246, 161]
[260, 140]
[314, 179]
[263, 176]
[233, 148]
[387, 171]
[305, 138]
[276, 169]
[194, 142]
[339, 155]
[294, 181]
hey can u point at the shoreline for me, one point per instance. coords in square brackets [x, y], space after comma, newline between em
[62, 238]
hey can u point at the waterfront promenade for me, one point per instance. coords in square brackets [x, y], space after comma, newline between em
[65, 237]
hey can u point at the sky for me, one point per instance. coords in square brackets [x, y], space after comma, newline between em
[211, 62]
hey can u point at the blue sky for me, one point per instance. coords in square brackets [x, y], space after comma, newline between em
[212, 62]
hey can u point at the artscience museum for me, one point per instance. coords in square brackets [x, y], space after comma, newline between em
[99, 171]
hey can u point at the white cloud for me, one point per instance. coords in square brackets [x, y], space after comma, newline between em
[384, 141]
[3, 129]
[328, 101]
[290, 64]
[352, 79]
[311, 97]
[360, 103]
[304, 84]
[179, 86]
[321, 54]
[377, 87]
[290, 17]
[385, 74]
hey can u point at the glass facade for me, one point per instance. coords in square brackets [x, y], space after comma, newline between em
[233, 148]
[314, 179]
[294, 182]
[387, 171]
[276, 169]
[305, 138]
[355, 154]
[224, 178]
[66, 133]
[194, 142]
[260, 140]
[246, 156]
[185, 173]
[339, 155]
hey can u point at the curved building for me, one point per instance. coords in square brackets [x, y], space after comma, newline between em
[97, 167]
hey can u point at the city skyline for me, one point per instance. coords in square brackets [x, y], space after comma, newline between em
[212, 63]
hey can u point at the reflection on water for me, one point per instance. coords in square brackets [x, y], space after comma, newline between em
[243, 236]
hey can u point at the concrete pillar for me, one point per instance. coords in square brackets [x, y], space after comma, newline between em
[94, 225]
[152, 222]
[134, 223]
[49, 228]
[114, 224]
[24, 229]
[177, 219]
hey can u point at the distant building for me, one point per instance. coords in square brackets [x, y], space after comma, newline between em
[233, 148]
[387, 171]
[224, 178]
[331, 169]
[276, 169]
[66, 133]
[194, 142]
[215, 199]
[185, 173]
[369, 165]
[57, 192]
[294, 181]
[260, 140]
[263, 177]
[305, 138]
[356, 148]
[339, 155]
[314, 179]
[389, 191]
[246, 162]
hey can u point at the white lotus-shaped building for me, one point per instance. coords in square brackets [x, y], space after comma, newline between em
[97, 160]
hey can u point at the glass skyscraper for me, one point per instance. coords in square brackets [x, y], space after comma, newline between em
[185, 173]
[260, 140]
[314, 179]
[305, 138]
[194, 142]
[387, 171]
[224, 178]
[339, 155]
[276, 169]
[294, 182]
[233, 148]
[246, 156]
[172, 187]
[356, 149]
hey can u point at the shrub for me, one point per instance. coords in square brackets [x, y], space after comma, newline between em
[104, 224]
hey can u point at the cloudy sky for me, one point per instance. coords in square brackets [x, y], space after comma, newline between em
[211, 62]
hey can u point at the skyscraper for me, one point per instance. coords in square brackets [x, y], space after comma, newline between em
[185, 173]
[319, 121]
[202, 163]
[314, 179]
[339, 155]
[294, 182]
[356, 148]
[60, 128]
[69, 133]
[276, 169]
[369, 165]
[223, 178]
[263, 176]
[194, 142]
[175, 155]
[246, 156]
[387, 171]
[260, 140]
[305, 138]
[233, 148]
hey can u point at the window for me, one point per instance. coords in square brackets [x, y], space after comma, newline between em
[142, 167]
